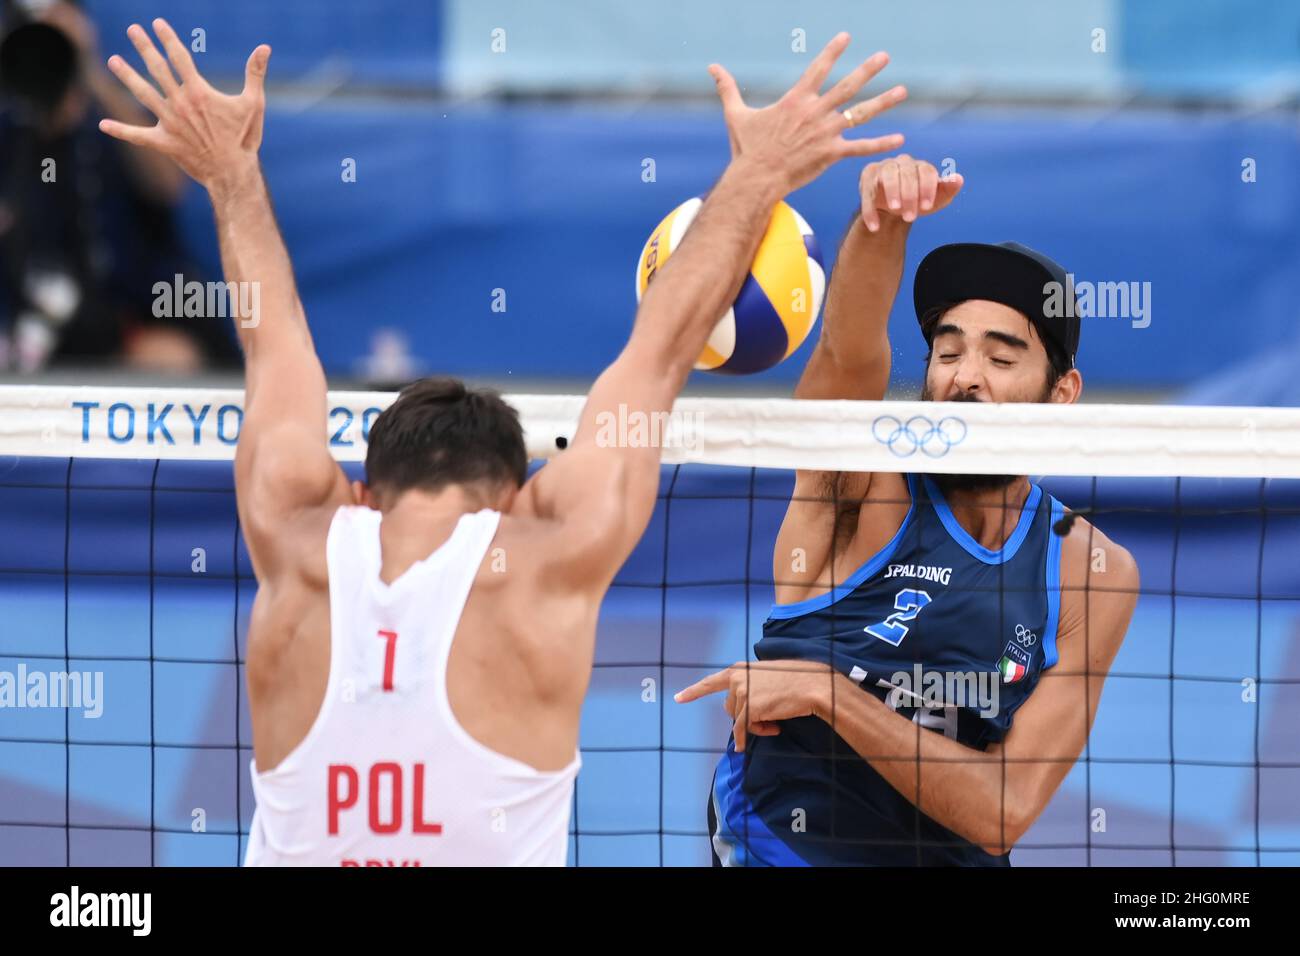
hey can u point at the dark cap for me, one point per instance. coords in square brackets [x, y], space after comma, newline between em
[1009, 273]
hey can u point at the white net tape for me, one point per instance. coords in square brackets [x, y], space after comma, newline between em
[1033, 439]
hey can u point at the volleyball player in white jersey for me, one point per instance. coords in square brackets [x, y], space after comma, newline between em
[420, 646]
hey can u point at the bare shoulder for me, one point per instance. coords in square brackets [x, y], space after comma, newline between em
[285, 509]
[532, 561]
[289, 623]
[1091, 560]
[295, 554]
[524, 605]
[834, 520]
[511, 556]
[292, 581]
[573, 549]
[1100, 583]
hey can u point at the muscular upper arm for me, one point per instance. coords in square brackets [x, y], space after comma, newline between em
[820, 523]
[851, 359]
[600, 491]
[1051, 728]
[816, 520]
[828, 377]
[285, 477]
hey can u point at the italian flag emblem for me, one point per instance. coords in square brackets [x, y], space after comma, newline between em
[1011, 671]
[1014, 663]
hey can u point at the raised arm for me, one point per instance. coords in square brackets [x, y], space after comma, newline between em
[851, 359]
[284, 473]
[603, 486]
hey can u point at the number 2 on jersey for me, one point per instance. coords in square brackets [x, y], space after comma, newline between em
[391, 638]
[908, 603]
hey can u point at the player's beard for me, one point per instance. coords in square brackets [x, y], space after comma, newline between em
[950, 483]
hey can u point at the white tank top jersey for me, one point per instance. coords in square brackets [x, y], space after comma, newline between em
[386, 776]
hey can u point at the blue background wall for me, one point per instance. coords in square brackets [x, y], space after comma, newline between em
[460, 192]
[548, 203]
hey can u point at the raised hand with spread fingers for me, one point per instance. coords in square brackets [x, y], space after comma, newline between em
[212, 135]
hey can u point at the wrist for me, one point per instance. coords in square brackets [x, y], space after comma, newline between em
[893, 228]
[823, 694]
[760, 176]
[235, 180]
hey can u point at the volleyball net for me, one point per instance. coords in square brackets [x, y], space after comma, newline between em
[125, 591]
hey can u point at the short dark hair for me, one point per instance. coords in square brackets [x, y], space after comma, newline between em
[438, 432]
[1058, 363]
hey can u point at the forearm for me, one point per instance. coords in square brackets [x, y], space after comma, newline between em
[966, 790]
[257, 266]
[861, 292]
[701, 279]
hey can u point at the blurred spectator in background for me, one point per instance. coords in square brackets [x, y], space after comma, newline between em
[87, 224]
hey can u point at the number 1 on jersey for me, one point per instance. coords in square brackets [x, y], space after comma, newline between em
[391, 638]
[908, 603]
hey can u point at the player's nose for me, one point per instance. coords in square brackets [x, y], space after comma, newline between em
[968, 381]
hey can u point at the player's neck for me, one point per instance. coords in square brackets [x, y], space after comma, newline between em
[419, 522]
[989, 515]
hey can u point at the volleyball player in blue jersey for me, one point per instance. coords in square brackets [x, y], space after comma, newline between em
[935, 659]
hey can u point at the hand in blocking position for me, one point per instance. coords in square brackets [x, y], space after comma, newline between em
[800, 135]
[212, 136]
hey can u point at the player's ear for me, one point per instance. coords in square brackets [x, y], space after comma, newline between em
[361, 495]
[1068, 388]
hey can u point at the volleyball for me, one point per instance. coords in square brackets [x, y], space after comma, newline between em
[778, 303]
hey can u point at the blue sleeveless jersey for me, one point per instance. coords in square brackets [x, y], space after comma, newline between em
[949, 634]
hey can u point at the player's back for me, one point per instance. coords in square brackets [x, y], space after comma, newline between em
[387, 774]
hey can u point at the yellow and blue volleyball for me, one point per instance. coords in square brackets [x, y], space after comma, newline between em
[778, 303]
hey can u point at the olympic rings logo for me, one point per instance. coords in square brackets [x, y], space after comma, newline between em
[918, 433]
[1024, 636]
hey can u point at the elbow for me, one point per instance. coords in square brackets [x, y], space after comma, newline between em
[1022, 810]
[1015, 826]
[1000, 844]
[1007, 818]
